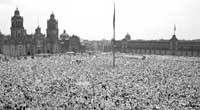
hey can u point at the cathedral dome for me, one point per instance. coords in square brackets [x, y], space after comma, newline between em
[64, 36]
[128, 37]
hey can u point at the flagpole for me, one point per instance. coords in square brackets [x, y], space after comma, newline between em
[114, 38]
[174, 29]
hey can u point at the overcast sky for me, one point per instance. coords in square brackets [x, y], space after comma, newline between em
[92, 19]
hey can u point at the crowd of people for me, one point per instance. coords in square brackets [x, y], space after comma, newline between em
[88, 82]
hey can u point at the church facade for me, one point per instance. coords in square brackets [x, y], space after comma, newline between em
[19, 43]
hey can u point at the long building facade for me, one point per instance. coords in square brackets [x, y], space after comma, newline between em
[172, 46]
[19, 43]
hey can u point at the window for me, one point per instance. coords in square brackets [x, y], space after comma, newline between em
[18, 34]
[39, 52]
[28, 53]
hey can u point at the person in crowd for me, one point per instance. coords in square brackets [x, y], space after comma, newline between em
[154, 83]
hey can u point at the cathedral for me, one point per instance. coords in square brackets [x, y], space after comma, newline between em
[19, 43]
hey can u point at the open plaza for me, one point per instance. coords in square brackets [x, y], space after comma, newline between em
[89, 82]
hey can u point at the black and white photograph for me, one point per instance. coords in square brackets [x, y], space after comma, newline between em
[99, 54]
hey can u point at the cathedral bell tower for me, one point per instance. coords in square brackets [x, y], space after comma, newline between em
[52, 29]
[18, 32]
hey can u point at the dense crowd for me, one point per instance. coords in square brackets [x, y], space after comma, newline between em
[88, 82]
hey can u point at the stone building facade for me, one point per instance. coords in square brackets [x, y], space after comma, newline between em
[160, 47]
[98, 46]
[19, 43]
